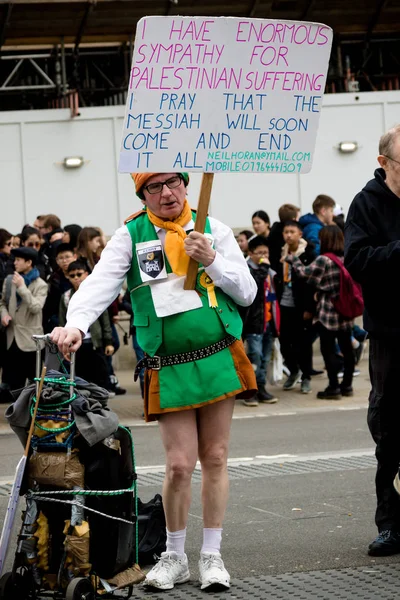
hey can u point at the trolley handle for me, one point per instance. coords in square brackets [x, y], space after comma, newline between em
[45, 341]
[42, 341]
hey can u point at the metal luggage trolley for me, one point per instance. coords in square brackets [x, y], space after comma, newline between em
[53, 561]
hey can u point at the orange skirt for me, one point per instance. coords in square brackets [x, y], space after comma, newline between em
[244, 371]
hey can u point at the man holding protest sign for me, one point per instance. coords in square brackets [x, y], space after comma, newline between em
[205, 95]
[195, 363]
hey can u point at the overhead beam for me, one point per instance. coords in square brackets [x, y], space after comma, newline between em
[253, 9]
[88, 9]
[380, 5]
[5, 23]
[308, 8]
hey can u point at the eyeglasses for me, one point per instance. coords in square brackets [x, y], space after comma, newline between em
[76, 275]
[261, 253]
[64, 258]
[390, 158]
[156, 188]
[33, 245]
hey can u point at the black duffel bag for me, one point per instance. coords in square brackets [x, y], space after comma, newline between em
[152, 530]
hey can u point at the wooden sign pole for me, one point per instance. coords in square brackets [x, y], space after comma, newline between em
[202, 210]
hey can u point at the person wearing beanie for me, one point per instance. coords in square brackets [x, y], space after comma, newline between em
[24, 294]
[194, 357]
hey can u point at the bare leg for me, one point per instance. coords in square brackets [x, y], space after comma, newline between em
[214, 423]
[179, 435]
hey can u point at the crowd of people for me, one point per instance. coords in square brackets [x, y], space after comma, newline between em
[297, 265]
[43, 266]
[40, 269]
[293, 287]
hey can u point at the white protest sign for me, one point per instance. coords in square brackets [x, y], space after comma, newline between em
[224, 94]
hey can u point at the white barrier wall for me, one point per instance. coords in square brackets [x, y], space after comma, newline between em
[33, 145]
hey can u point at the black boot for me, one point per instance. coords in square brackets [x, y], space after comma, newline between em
[330, 394]
[265, 396]
[386, 544]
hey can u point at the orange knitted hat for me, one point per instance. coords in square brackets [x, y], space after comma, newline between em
[140, 180]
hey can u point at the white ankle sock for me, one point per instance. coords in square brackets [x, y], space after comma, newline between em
[212, 538]
[176, 541]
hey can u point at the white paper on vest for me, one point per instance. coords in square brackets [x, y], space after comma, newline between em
[169, 297]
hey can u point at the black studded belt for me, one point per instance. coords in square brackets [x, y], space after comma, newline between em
[158, 362]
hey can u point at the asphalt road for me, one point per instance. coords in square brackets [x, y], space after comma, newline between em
[301, 505]
[315, 516]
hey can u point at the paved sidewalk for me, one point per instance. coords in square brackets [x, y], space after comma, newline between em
[129, 407]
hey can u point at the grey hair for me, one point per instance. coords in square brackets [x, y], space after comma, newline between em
[387, 139]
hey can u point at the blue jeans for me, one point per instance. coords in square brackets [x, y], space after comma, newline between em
[259, 351]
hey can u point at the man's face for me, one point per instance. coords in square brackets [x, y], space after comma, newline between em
[76, 277]
[326, 215]
[21, 265]
[64, 259]
[38, 223]
[167, 203]
[258, 253]
[391, 167]
[292, 235]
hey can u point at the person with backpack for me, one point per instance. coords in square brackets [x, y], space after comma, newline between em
[337, 302]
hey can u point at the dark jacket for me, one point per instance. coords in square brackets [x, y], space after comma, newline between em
[303, 294]
[58, 284]
[100, 330]
[275, 245]
[372, 254]
[48, 251]
[254, 316]
[311, 226]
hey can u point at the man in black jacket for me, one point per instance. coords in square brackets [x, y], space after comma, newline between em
[372, 256]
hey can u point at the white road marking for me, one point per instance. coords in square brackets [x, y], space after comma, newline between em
[258, 460]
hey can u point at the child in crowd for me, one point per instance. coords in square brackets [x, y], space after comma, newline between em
[312, 223]
[261, 323]
[261, 223]
[243, 240]
[324, 275]
[23, 297]
[71, 233]
[297, 307]
[58, 284]
[287, 212]
[89, 242]
[97, 343]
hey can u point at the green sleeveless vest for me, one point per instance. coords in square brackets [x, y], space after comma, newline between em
[181, 332]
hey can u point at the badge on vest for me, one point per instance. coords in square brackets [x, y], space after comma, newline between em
[150, 257]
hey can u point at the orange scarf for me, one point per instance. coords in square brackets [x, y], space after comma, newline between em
[174, 238]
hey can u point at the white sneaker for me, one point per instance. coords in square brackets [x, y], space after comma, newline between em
[172, 568]
[213, 575]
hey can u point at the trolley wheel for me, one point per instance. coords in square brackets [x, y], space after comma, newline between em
[80, 588]
[13, 586]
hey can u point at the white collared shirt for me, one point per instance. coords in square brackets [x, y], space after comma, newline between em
[229, 271]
